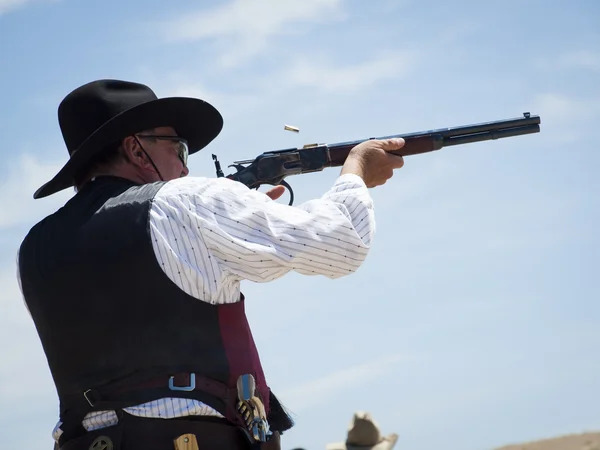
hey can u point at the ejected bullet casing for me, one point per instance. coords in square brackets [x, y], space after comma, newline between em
[291, 128]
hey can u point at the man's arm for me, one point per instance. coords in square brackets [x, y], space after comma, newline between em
[255, 238]
[209, 234]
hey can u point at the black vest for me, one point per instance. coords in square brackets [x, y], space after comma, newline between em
[105, 311]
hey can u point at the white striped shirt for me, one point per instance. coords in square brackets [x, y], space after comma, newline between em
[210, 234]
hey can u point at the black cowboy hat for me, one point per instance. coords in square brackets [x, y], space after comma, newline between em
[101, 113]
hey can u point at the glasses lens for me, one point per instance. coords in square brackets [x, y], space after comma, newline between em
[180, 144]
[183, 152]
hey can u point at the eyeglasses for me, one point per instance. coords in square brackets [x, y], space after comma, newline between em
[182, 147]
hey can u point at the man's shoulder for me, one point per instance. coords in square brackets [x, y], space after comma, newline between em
[197, 186]
[37, 227]
[39, 234]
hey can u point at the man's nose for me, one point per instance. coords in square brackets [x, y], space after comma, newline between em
[185, 171]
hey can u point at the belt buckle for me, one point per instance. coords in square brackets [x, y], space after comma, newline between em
[252, 409]
[187, 388]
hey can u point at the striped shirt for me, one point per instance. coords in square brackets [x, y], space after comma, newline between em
[210, 234]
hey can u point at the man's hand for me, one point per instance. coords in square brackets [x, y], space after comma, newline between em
[371, 161]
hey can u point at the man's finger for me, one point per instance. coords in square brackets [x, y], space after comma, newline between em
[392, 144]
[276, 192]
[396, 161]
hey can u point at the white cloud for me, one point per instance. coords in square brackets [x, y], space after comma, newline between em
[581, 59]
[230, 105]
[25, 380]
[317, 391]
[244, 28]
[350, 77]
[24, 356]
[7, 5]
[9, 292]
[24, 177]
[10, 5]
[391, 6]
[566, 118]
[561, 106]
[269, 91]
[307, 71]
[302, 72]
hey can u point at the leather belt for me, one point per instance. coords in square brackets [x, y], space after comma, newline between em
[242, 407]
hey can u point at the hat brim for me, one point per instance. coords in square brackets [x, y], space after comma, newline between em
[387, 443]
[193, 119]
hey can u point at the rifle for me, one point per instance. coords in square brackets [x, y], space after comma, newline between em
[272, 167]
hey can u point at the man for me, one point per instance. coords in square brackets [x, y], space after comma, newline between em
[364, 434]
[134, 284]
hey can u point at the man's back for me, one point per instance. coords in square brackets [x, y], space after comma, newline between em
[72, 264]
[91, 268]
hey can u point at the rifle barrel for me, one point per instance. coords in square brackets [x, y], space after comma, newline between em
[490, 135]
[526, 125]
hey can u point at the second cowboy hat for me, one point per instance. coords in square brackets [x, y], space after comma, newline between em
[364, 434]
[101, 113]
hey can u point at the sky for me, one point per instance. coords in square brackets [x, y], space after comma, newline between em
[474, 321]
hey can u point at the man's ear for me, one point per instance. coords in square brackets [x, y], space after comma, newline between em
[132, 152]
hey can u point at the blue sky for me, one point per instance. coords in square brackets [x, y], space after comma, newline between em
[473, 323]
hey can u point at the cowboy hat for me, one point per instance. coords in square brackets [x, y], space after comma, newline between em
[101, 113]
[364, 434]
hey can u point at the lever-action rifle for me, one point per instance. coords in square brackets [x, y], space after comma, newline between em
[272, 167]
